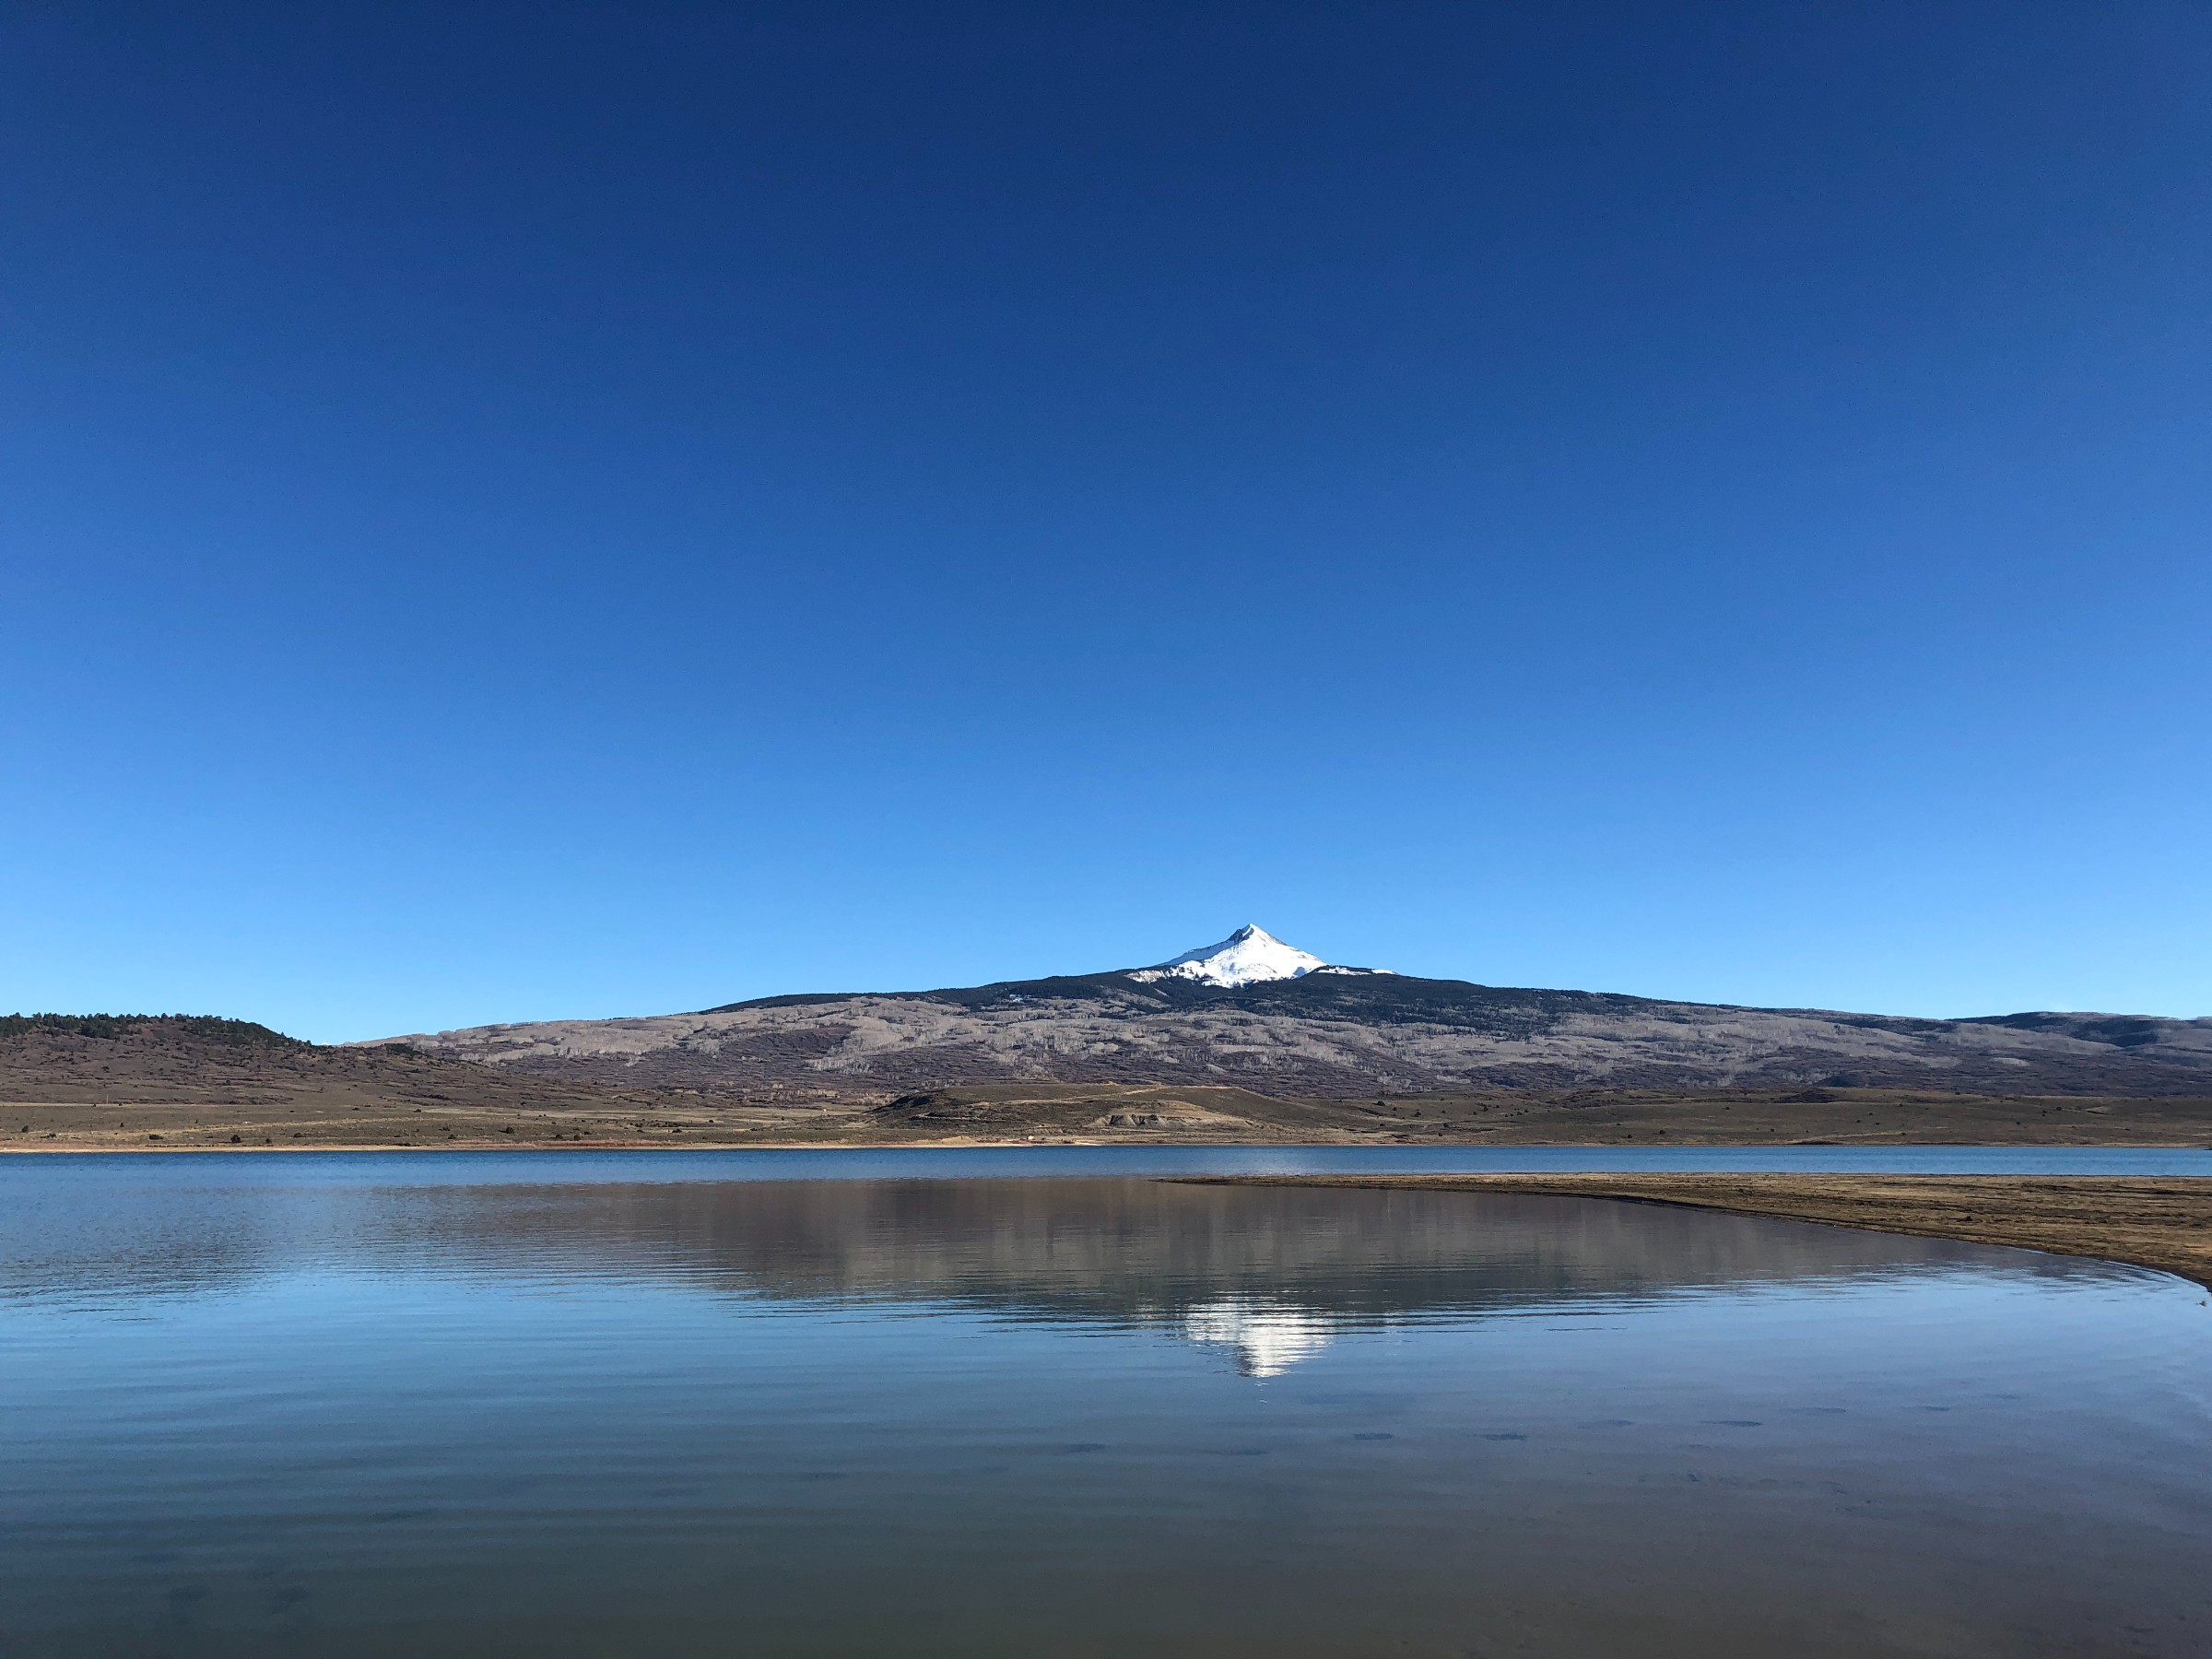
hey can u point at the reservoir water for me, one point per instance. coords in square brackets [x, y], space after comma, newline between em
[769, 1404]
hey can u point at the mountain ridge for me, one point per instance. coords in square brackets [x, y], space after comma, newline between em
[1341, 1034]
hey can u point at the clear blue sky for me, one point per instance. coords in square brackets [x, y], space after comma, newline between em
[564, 509]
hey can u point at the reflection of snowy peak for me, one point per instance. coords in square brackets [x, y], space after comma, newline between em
[1269, 1338]
[1246, 958]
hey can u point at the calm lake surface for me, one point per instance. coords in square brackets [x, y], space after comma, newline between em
[840, 1403]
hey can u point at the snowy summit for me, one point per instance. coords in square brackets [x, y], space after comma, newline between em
[1246, 958]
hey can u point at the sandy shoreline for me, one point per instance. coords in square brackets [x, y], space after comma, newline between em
[2162, 1222]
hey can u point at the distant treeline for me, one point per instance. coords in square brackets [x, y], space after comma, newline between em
[206, 1027]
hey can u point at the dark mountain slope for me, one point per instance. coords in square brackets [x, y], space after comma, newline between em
[1379, 999]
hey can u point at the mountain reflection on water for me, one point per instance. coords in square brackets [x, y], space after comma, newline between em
[256, 1414]
[1268, 1339]
[1270, 1273]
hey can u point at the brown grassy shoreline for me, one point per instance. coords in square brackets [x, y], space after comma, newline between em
[112, 1099]
[2146, 1221]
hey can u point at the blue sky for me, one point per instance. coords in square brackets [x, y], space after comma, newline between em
[571, 509]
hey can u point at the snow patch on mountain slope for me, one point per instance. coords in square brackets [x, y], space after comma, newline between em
[1247, 956]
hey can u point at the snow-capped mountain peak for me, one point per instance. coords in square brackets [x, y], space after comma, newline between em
[1245, 958]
